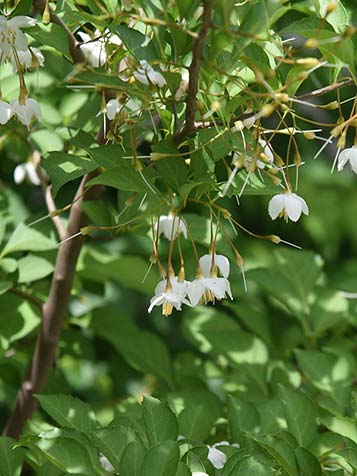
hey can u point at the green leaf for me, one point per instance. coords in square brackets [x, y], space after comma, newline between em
[10, 459]
[67, 454]
[143, 350]
[133, 40]
[68, 411]
[161, 460]
[350, 455]
[22, 7]
[281, 451]
[300, 415]
[112, 442]
[196, 422]
[342, 425]
[63, 168]
[244, 464]
[159, 421]
[32, 268]
[243, 418]
[308, 464]
[50, 35]
[24, 238]
[132, 459]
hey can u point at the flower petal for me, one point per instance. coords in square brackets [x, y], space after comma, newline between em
[222, 263]
[276, 206]
[293, 206]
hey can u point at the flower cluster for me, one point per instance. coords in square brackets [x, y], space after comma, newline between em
[14, 49]
[211, 282]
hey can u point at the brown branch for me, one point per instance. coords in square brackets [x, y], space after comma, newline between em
[54, 313]
[194, 73]
[47, 193]
[326, 89]
[76, 53]
[54, 310]
[28, 297]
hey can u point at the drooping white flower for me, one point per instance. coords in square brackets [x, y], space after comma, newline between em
[169, 293]
[288, 205]
[5, 112]
[11, 35]
[105, 463]
[26, 112]
[146, 74]
[348, 155]
[113, 107]
[220, 261]
[182, 89]
[203, 290]
[27, 59]
[267, 151]
[93, 50]
[216, 457]
[28, 170]
[171, 226]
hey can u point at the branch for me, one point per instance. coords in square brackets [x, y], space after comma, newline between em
[326, 89]
[54, 312]
[28, 297]
[76, 53]
[194, 73]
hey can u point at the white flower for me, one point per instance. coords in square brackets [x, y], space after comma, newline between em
[169, 293]
[216, 457]
[182, 89]
[26, 170]
[348, 155]
[199, 473]
[267, 151]
[11, 35]
[26, 112]
[203, 290]
[5, 112]
[220, 261]
[171, 226]
[93, 50]
[32, 57]
[288, 205]
[105, 463]
[146, 74]
[113, 107]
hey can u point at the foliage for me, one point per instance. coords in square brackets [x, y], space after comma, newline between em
[261, 385]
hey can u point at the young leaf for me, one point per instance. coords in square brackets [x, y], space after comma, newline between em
[68, 411]
[159, 421]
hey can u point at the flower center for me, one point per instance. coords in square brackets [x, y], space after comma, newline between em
[167, 308]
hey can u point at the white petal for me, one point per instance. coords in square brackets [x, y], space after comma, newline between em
[222, 263]
[195, 291]
[32, 174]
[5, 112]
[267, 150]
[183, 228]
[206, 263]
[293, 206]
[217, 458]
[21, 22]
[217, 286]
[113, 107]
[276, 206]
[19, 173]
[343, 158]
[156, 301]
[353, 163]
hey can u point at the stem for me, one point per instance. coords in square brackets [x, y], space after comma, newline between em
[53, 314]
[194, 73]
